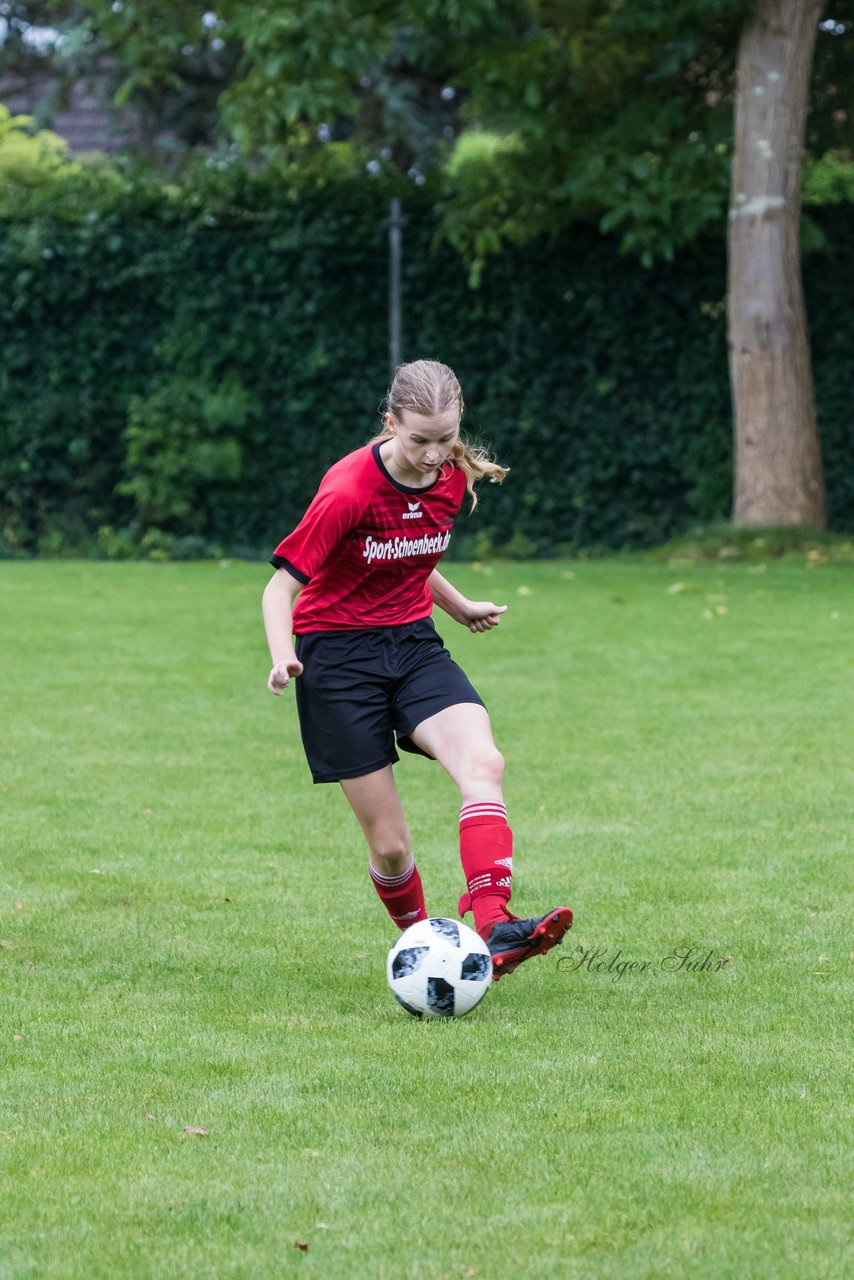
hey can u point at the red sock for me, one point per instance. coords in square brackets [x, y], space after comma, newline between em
[402, 896]
[486, 852]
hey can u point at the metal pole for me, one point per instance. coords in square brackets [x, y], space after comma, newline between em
[395, 244]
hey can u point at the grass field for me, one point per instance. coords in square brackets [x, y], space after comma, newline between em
[679, 746]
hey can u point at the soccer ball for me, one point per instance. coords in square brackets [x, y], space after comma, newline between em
[439, 969]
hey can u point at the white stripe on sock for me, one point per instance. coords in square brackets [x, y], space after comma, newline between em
[391, 882]
[483, 808]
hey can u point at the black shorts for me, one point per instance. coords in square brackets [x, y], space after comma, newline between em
[360, 688]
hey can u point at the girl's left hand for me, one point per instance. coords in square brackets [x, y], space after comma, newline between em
[482, 615]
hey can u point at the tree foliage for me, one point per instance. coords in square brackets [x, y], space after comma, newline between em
[616, 110]
[28, 156]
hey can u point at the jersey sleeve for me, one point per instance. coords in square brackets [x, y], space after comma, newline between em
[332, 513]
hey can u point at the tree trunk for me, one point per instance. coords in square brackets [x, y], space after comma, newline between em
[778, 473]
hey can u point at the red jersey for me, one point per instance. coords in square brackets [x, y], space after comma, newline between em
[367, 545]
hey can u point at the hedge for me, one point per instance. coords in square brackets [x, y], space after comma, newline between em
[177, 372]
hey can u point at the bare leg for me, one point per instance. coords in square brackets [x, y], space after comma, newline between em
[375, 800]
[376, 803]
[460, 738]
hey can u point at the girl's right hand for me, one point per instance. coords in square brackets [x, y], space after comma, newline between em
[280, 676]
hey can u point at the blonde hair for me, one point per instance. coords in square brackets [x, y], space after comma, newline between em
[428, 388]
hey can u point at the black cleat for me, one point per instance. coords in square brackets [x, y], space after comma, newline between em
[512, 941]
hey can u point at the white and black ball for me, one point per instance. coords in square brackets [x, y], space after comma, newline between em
[439, 968]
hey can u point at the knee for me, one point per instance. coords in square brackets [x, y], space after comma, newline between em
[486, 766]
[390, 851]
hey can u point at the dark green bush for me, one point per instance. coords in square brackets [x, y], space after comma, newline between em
[179, 366]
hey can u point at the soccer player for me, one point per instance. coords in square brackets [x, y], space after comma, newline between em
[361, 567]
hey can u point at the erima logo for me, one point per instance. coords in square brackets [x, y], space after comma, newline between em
[413, 513]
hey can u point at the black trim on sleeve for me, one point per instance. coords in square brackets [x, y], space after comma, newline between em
[278, 562]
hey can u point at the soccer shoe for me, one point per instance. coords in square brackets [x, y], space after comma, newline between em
[514, 940]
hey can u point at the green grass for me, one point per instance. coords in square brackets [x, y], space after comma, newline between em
[678, 741]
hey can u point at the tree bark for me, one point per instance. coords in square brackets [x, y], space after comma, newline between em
[778, 472]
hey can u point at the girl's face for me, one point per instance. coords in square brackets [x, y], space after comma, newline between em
[421, 444]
